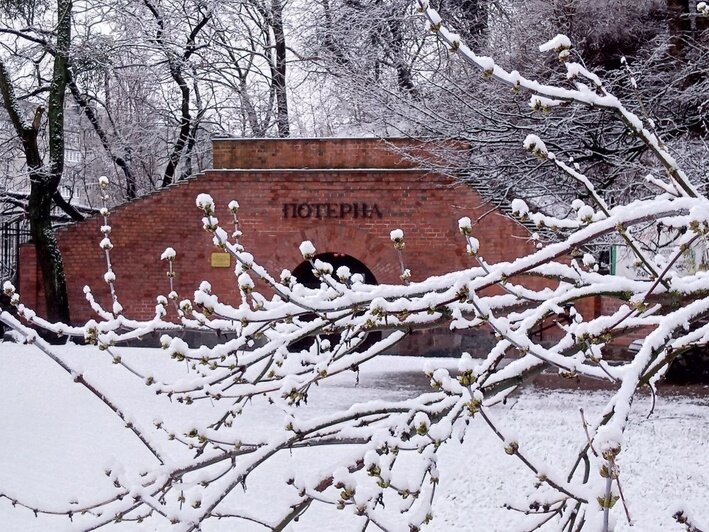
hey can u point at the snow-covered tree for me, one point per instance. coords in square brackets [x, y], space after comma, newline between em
[134, 92]
[634, 46]
[284, 339]
[37, 72]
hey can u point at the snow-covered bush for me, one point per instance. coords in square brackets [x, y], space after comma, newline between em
[393, 446]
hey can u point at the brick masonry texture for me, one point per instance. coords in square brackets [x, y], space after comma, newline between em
[266, 176]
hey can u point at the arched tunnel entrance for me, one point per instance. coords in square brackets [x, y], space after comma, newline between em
[304, 274]
[304, 271]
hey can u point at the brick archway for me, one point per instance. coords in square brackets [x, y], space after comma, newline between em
[344, 195]
[365, 246]
[306, 276]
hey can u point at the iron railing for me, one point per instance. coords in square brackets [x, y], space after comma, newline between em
[13, 233]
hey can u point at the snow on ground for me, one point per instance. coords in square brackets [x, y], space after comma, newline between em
[58, 440]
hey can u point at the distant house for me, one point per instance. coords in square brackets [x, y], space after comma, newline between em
[14, 178]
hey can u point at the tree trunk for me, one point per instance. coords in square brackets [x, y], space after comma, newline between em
[185, 122]
[44, 179]
[474, 14]
[48, 256]
[403, 70]
[279, 79]
[329, 41]
[45, 183]
[679, 25]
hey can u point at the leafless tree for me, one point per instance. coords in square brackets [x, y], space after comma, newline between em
[266, 356]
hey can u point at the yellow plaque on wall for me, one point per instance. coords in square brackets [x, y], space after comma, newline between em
[221, 260]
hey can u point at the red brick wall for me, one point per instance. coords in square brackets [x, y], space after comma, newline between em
[318, 153]
[427, 208]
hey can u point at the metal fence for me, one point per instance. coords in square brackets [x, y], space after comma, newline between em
[13, 233]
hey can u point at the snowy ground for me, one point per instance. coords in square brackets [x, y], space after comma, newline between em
[57, 440]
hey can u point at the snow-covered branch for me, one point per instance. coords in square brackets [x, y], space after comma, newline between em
[283, 339]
